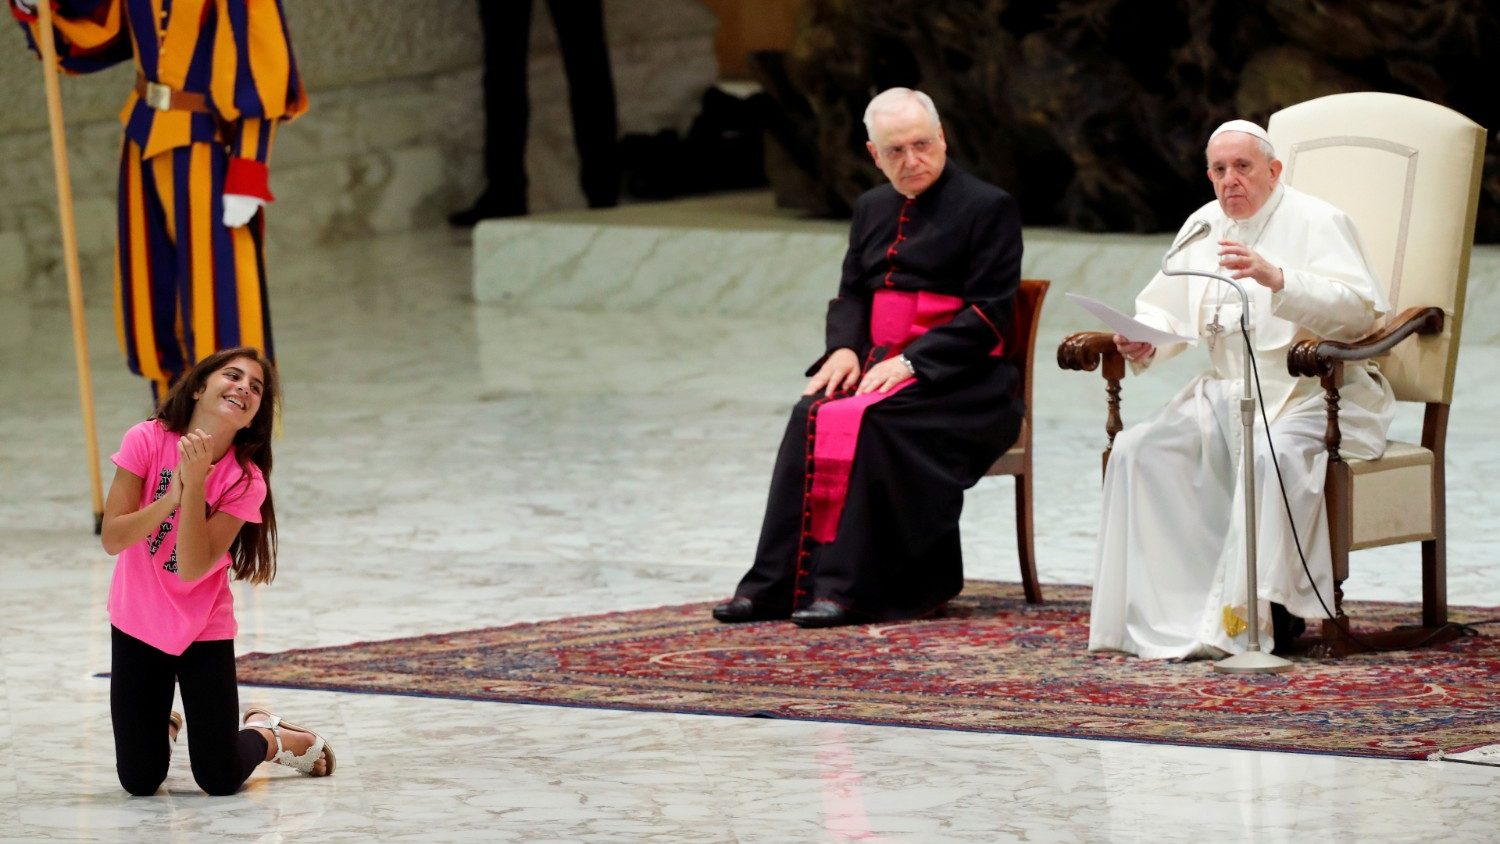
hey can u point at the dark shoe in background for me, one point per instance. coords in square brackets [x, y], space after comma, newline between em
[487, 207]
[601, 180]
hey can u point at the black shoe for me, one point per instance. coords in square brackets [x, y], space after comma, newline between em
[736, 610]
[1286, 628]
[486, 208]
[824, 614]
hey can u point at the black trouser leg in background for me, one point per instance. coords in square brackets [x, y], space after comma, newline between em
[140, 694]
[507, 34]
[591, 96]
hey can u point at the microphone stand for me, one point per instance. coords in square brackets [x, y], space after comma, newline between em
[1253, 660]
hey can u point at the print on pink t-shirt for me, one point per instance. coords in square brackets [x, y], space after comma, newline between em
[147, 599]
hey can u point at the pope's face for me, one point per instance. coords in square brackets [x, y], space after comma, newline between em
[908, 147]
[1243, 176]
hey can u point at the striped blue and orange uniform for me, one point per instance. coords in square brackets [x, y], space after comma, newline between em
[187, 285]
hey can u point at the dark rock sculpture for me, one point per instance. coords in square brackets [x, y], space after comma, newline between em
[1094, 112]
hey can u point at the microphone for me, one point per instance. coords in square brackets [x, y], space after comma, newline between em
[1196, 233]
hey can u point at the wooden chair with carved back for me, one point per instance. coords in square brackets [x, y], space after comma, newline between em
[1026, 315]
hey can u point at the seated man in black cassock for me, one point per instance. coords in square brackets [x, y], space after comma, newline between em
[910, 404]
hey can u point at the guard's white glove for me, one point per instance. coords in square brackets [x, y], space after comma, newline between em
[239, 209]
[26, 6]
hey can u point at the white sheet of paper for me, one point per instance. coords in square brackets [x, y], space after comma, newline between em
[1487, 755]
[1126, 326]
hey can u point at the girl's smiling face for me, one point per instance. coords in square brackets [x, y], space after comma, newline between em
[233, 392]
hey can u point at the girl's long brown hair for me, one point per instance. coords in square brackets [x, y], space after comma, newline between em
[253, 552]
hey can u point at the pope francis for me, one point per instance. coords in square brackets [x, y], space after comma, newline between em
[1169, 579]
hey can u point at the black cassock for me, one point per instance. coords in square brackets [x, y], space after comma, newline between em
[896, 552]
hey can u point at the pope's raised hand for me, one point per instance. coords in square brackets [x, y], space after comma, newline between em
[1244, 262]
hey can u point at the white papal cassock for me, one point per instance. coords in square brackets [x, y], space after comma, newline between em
[1169, 581]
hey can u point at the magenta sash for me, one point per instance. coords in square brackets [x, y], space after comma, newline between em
[897, 318]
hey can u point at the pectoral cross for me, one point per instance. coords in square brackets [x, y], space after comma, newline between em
[1214, 329]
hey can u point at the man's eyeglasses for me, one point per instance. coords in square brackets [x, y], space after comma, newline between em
[920, 147]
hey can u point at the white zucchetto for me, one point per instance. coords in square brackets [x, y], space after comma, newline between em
[1242, 126]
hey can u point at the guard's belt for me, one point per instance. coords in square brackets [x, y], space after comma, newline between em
[162, 98]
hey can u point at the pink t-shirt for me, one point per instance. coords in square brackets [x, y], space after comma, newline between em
[147, 599]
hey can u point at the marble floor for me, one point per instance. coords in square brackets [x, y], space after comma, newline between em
[446, 465]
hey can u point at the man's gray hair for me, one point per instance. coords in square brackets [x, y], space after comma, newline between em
[892, 99]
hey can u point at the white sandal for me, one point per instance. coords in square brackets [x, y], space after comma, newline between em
[302, 764]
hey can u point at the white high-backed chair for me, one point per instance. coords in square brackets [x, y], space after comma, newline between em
[1408, 172]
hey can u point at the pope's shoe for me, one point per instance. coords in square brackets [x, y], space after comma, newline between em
[823, 613]
[1287, 629]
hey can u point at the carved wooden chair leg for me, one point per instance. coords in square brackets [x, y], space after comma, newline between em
[1435, 582]
[1025, 541]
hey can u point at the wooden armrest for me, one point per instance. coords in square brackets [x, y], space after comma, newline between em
[1315, 358]
[1085, 350]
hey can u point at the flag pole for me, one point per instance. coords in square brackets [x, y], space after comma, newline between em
[47, 44]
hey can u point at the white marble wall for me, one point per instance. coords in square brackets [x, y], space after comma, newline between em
[603, 261]
[738, 255]
[393, 138]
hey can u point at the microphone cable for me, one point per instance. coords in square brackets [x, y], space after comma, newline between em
[1341, 622]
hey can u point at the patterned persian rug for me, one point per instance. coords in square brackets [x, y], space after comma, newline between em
[993, 663]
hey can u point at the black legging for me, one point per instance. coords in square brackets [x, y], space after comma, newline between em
[140, 699]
